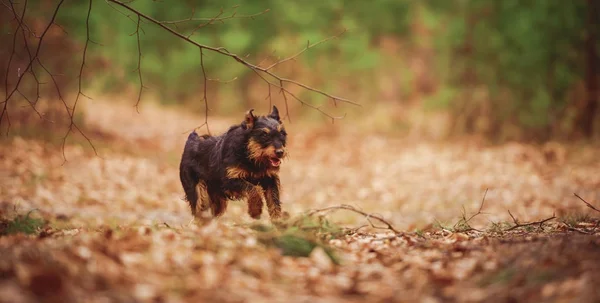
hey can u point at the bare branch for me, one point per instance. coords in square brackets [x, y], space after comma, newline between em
[480, 206]
[223, 81]
[285, 91]
[267, 57]
[308, 46]
[368, 216]
[37, 81]
[62, 28]
[139, 66]
[263, 72]
[285, 100]
[317, 108]
[204, 24]
[39, 46]
[269, 96]
[463, 223]
[7, 5]
[519, 225]
[211, 20]
[205, 98]
[14, 44]
[225, 52]
[31, 104]
[571, 228]
[79, 90]
[16, 17]
[60, 97]
[586, 203]
[122, 13]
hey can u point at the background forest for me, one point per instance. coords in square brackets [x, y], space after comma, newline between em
[505, 69]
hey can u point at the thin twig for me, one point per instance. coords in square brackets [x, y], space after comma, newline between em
[586, 203]
[60, 97]
[519, 225]
[201, 25]
[222, 81]
[205, 98]
[37, 81]
[221, 19]
[282, 90]
[37, 52]
[267, 57]
[269, 96]
[32, 105]
[139, 66]
[480, 206]
[579, 230]
[122, 13]
[308, 46]
[14, 44]
[466, 221]
[368, 216]
[79, 91]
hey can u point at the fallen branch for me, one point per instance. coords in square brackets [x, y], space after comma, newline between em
[578, 230]
[586, 203]
[519, 225]
[368, 216]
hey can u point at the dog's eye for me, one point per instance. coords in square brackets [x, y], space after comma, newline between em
[264, 135]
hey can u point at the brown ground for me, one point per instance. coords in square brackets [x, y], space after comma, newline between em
[116, 229]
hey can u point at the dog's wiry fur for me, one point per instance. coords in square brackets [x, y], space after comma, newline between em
[241, 163]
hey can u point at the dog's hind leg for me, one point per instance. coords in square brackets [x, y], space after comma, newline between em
[218, 203]
[203, 201]
[189, 182]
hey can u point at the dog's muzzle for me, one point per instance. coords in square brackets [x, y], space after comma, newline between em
[275, 162]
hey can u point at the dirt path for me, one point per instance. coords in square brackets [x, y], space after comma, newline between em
[117, 230]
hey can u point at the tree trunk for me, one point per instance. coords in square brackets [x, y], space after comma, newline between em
[591, 77]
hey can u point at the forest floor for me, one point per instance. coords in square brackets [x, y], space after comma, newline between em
[453, 221]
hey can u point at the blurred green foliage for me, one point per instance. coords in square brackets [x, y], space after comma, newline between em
[493, 63]
[528, 56]
[171, 66]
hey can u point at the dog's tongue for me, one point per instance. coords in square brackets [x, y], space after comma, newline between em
[275, 162]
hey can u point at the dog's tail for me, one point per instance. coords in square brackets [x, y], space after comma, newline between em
[192, 137]
[189, 178]
[188, 174]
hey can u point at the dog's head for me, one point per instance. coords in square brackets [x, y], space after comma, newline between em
[267, 138]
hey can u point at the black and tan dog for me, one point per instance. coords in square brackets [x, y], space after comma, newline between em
[241, 163]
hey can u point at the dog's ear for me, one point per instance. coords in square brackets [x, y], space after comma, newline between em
[250, 119]
[275, 114]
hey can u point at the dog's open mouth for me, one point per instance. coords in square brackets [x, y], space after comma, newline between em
[275, 162]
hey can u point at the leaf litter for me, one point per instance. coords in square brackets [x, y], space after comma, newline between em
[114, 228]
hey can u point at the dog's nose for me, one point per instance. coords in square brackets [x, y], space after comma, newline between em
[279, 153]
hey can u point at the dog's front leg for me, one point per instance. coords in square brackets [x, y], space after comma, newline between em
[252, 193]
[272, 194]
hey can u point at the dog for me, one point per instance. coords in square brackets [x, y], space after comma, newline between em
[243, 162]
